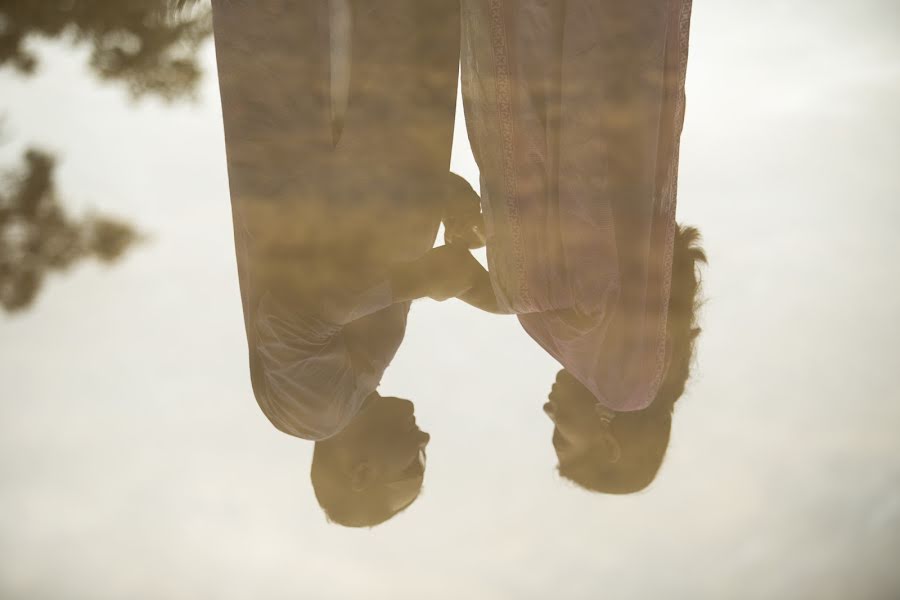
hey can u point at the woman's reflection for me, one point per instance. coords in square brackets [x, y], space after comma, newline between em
[574, 112]
[620, 453]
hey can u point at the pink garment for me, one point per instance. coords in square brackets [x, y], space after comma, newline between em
[574, 111]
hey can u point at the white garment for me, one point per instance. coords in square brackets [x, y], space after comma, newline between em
[318, 223]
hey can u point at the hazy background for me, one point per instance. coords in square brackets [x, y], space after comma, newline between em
[135, 463]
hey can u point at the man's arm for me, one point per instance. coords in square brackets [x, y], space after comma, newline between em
[441, 273]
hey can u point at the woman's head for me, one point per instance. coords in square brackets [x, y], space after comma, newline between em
[621, 453]
[374, 468]
[616, 453]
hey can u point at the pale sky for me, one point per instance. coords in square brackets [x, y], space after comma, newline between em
[135, 463]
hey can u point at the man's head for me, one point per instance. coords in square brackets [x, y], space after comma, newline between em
[620, 453]
[374, 468]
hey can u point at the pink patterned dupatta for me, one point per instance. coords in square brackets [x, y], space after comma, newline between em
[574, 111]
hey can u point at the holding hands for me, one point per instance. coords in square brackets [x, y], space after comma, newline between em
[441, 273]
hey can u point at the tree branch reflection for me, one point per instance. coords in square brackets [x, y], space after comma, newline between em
[38, 237]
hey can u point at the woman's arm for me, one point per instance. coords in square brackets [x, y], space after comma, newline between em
[481, 294]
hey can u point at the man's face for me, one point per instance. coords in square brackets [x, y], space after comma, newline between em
[385, 435]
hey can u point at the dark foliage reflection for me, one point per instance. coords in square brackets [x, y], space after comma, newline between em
[150, 46]
[37, 237]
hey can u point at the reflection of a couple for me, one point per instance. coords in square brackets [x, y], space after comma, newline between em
[338, 121]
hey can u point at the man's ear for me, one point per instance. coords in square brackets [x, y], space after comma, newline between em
[361, 476]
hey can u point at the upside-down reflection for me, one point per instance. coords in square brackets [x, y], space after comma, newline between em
[334, 231]
[621, 453]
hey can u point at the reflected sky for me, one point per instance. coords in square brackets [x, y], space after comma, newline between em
[133, 460]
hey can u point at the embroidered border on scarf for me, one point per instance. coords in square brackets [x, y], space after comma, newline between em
[681, 10]
[503, 86]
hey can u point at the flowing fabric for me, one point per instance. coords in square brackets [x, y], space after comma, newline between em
[574, 110]
[338, 126]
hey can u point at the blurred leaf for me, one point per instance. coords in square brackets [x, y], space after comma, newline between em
[150, 46]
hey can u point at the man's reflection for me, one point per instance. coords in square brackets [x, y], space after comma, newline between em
[338, 125]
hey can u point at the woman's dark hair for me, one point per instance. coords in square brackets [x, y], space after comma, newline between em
[643, 436]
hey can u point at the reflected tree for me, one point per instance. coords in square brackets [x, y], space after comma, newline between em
[150, 46]
[37, 236]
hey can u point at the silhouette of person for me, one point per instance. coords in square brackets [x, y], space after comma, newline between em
[621, 452]
[574, 113]
[373, 469]
[338, 125]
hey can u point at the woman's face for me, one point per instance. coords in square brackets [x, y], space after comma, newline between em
[572, 408]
